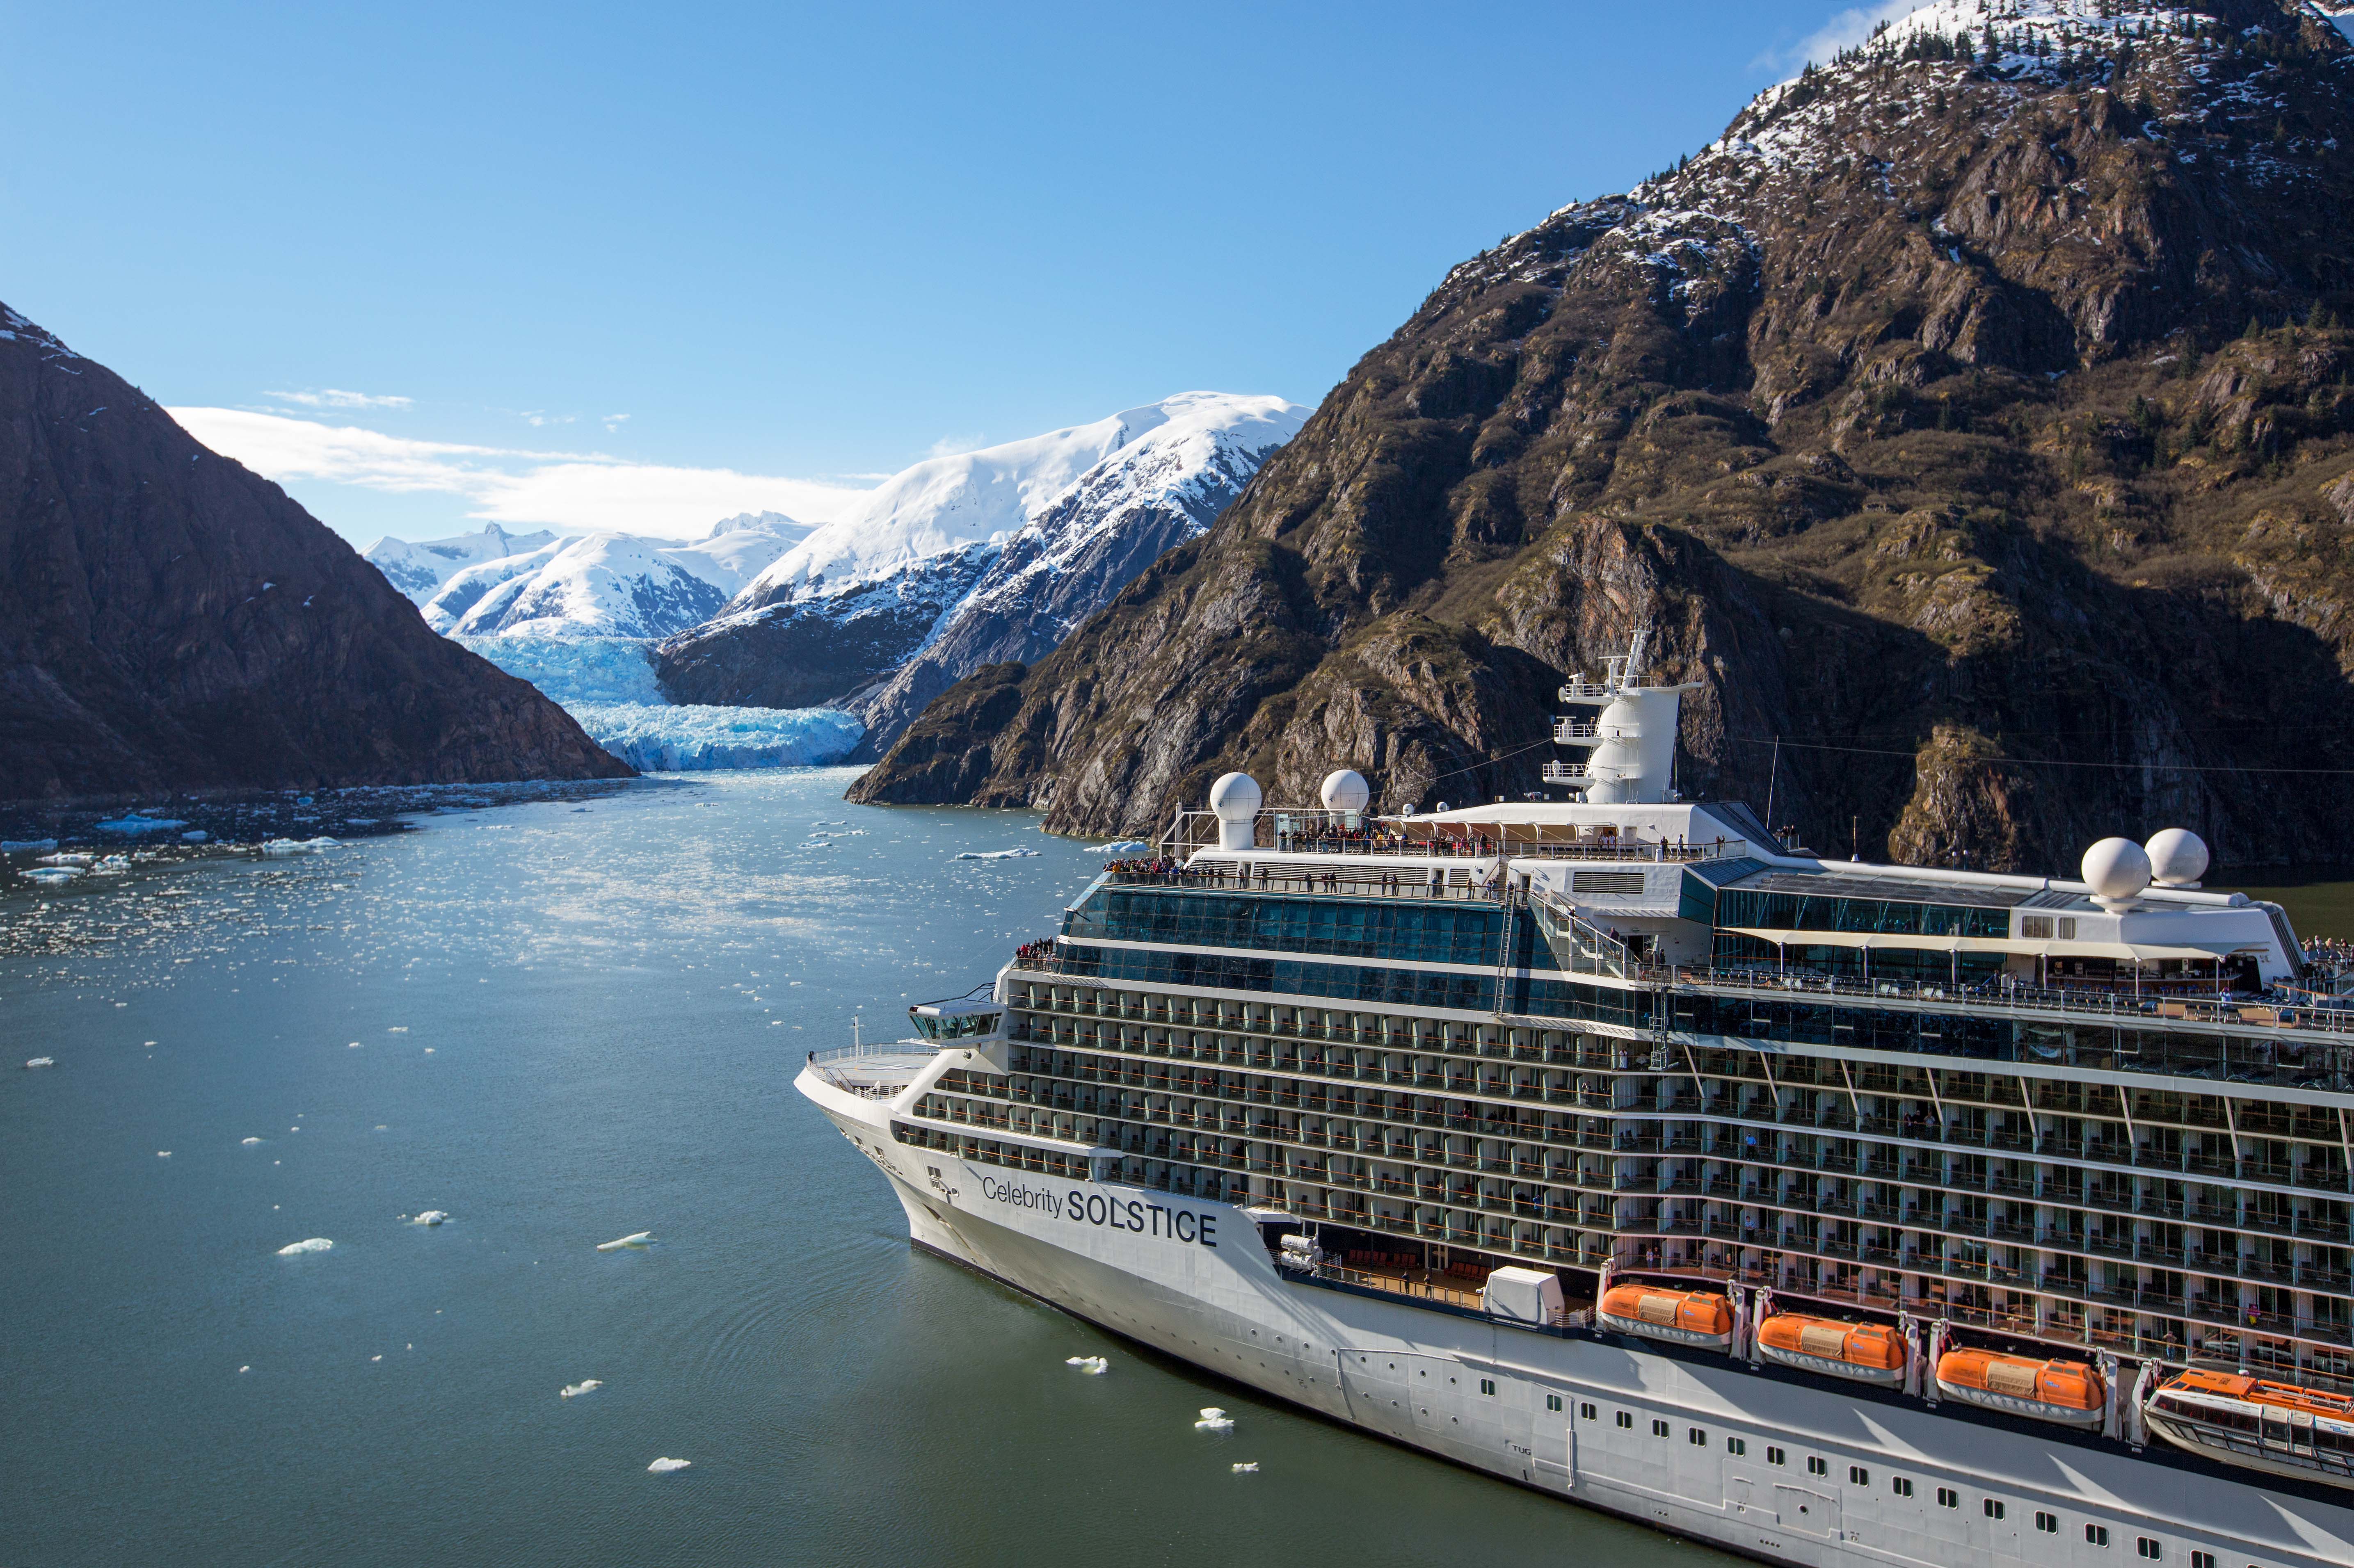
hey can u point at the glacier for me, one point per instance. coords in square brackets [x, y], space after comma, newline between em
[573, 670]
[666, 739]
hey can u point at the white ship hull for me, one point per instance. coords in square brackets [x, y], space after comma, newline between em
[1191, 1278]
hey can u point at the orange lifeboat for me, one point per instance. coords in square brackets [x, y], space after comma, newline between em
[2067, 1391]
[1685, 1317]
[1869, 1352]
[2279, 1427]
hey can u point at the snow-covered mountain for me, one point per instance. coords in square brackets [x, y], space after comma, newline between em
[966, 560]
[418, 568]
[612, 585]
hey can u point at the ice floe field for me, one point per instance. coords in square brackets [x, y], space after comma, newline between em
[442, 1198]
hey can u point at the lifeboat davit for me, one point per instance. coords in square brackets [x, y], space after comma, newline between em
[1685, 1317]
[2067, 1391]
[1867, 1352]
[2278, 1427]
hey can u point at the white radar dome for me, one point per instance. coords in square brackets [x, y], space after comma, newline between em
[1346, 790]
[2177, 857]
[2117, 870]
[1234, 798]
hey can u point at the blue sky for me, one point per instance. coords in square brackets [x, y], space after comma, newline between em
[642, 266]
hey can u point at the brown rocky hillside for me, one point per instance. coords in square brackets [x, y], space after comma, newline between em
[1974, 415]
[170, 620]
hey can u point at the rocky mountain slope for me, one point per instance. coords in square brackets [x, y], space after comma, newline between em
[1973, 417]
[170, 620]
[982, 556]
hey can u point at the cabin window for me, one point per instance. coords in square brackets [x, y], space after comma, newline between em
[1817, 1466]
[2049, 1524]
[1901, 1486]
[1857, 1476]
[2032, 927]
[1658, 1428]
[1776, 1457]
[1948, 1497]
[2145, 1547]
[1735, 1447]
[1994, 1509]
[2202, 1560]
[2097, 1535]
[1585, 1411]
[1552, 1401]
[1625, 1419]
[1488, 1385]
[1697, 1438]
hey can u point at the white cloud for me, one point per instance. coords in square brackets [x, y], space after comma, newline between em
[1843, 31]
[580, 491]
[329, 397]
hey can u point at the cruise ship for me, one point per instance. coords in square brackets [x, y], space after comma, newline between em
[1827, 1212]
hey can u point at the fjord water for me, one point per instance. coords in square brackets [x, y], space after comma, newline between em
[563, 1023]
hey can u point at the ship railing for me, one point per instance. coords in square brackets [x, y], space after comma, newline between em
[2215, 1012]
[839, 1065]
[1321, 833]
[1579, 945]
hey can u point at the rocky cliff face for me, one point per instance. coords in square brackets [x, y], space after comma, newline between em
[169, 621]
[1972, 417]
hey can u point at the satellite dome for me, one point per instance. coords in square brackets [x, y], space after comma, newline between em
[1346, 790]
[2177, 857]
[1234, 798]
[2117, 870]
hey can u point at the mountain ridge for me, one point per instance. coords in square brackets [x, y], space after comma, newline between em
[1921, 418]
[173, 622]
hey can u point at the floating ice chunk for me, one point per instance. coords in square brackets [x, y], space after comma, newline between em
[316, 1243]
[281, 849]
[251, 1140]
[429, 1217]
[376, 1358]
[196, 836]
[665, 1467]
[13, 845]
[163, 1154]
[1094, 1366]
[397, 1029]
[353, 1046]
[135, 823]
[246, 1368]
[1249, 1470]
[1211, 1413]
[1121, 846]
[70, 859]
[54, 874]
[1215, 1424]
[636, 1238]
[586, 1385]
[996, 854]
[42, 1062]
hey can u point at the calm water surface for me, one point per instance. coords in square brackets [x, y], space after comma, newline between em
[563, 1023]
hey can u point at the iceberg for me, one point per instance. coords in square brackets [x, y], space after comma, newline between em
[635, 1238]
[1121, 846]
[1094, 1366]
[1250, 1468]
[658, 740]
[280, 849]
[316, 1243]
[665, 1467]
[435, 1217]
[136, 823]
[9, 846]
[42, 1062]
[574, 1390]
[54, 874]
[996, 854]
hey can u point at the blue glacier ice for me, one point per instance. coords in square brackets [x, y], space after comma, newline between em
[576, 669]
[653, 739]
